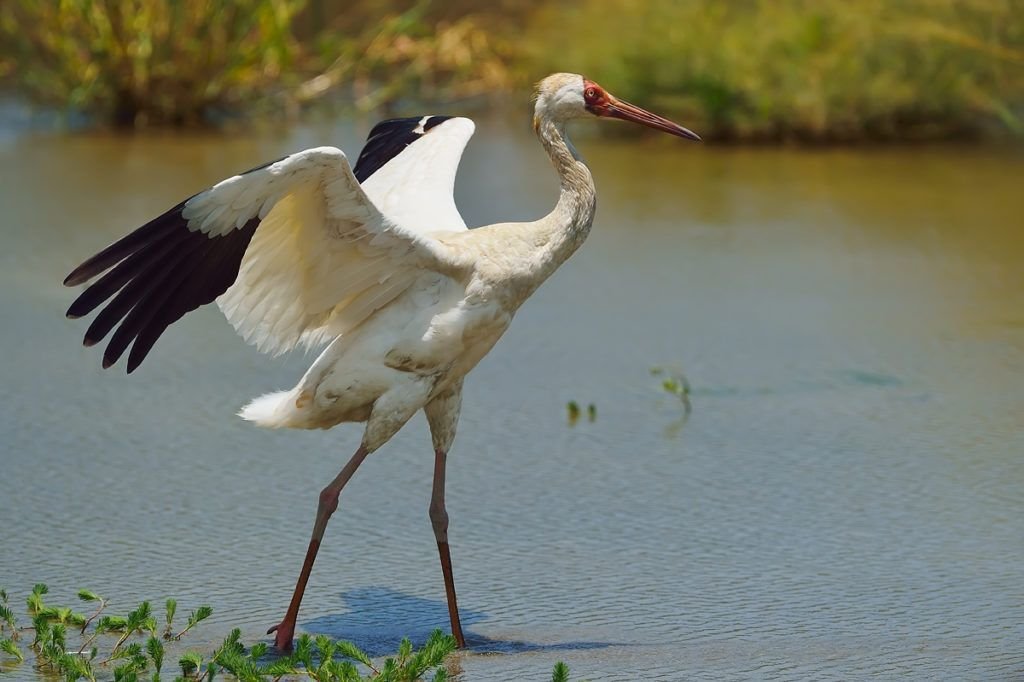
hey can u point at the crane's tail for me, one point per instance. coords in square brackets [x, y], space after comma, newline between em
[273, 410]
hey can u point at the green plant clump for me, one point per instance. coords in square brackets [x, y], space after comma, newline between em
[138, 653]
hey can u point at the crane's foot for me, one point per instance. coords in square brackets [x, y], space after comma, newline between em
[285, 633]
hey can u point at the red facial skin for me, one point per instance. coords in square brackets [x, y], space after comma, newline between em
[600, 103]
[595, 97]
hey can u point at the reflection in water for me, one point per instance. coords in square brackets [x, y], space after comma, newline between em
[844, 502]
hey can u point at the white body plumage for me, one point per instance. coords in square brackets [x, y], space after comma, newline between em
[410, 299]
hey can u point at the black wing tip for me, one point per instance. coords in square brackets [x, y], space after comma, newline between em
[75, 310]
[194, 274]
[83, 273]
[141, 261]
[127, 245]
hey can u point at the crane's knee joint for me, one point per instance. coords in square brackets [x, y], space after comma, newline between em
[328, 502]
[439, 518]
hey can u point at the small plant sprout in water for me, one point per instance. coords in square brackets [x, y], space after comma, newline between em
[560, 673]
[674, 381]
[9, 630]
[171, 608]
[90, 596]
[573, 412]
[194, 618]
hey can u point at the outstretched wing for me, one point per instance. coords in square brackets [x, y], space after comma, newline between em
[295, 250]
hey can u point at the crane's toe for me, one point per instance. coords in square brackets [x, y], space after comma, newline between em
[285, 633]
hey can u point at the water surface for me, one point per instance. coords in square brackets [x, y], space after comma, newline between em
[845, 500]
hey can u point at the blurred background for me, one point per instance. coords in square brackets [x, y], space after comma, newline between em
[834, 283]
[800, 70]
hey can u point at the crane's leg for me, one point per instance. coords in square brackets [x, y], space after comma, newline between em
[443, 416]
[439, 519]
[389, 414]
[325, 507]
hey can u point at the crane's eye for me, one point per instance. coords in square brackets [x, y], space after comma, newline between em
[590, 94]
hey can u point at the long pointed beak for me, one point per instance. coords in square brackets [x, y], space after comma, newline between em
[616, 108]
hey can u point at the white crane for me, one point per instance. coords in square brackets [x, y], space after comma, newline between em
[298, 252]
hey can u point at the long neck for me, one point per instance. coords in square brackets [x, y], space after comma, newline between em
[561, 232]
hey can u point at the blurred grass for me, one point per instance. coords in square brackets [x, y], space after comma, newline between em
[809, 70]
[426, 51]
[147, 61]
[133, 63]
[804, 70]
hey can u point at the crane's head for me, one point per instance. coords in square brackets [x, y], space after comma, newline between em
[564, 96]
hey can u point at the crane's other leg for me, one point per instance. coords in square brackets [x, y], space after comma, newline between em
[389, 414]
[443, 417]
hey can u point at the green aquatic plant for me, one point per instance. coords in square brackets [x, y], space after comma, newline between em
[171, 607]
[138, 653]
[9, 626]
[8, 623]
[9, 647]
[138, 622]
[134, 649]
[572, 409]
[90, 596]
[674, 382]
[194, 618]
[53, 652]
[573, 412]
[325, 660]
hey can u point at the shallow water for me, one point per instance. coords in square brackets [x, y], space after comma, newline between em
[845, 500]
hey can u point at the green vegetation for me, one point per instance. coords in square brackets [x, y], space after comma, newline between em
[674, 382]
[572, 409]
[138, 652]
[144, 61]
[159, 62]
[809, 70]
[803, 70]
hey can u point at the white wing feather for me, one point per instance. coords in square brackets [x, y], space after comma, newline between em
[324, 256]
[416, 188]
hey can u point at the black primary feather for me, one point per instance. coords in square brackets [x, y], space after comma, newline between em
[388, 139]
